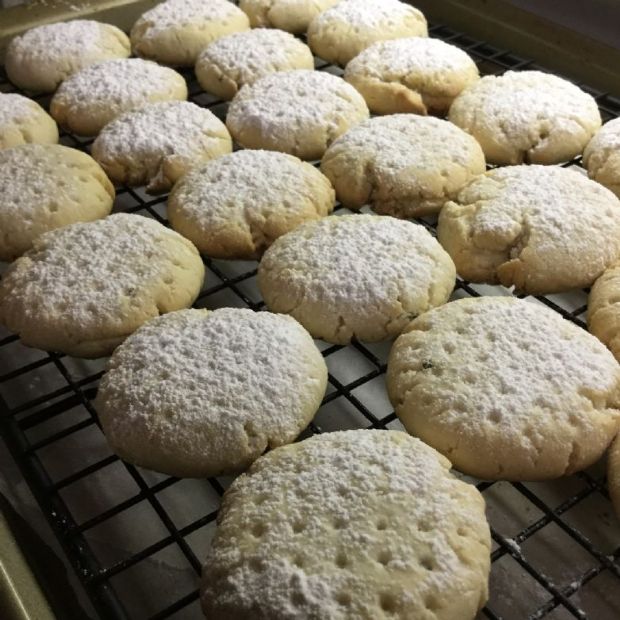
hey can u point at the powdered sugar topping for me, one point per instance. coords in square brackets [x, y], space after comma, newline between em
[322, 529]
[175, 13]
[397, 58]
[78, 38]
[247, 56]
[97, 273]
[368, 14]
[228, 384]
[16, 109]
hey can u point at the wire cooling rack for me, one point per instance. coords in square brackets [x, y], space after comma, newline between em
[136, 538]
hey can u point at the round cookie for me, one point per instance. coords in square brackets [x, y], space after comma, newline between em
[349, 525]
[613, 474]
[604, 309]
[92, 97]
[542, 229]
[175, 31]
[196, 393]
[415, 74]
[237, 205]
[41, 58]
[527, 117]
[46, 186]
[23, 121]
[355, 276]
[290, 15]
[242, 58]
[159, 143]
[298, 112]
[82, 289]
[601, 157]
[505, 388]
[402, 164]
[342, 32]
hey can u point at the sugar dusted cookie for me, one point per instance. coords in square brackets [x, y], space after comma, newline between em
[415, 74]
[289, 15]
[613, 474]
[349, 525]
[23, 121]
[242, 58]
[604, 309]
[402, 164]
[342, 32]
[527, 117]
[297, 112]
[355, 276]
[601, 157]
[46, 186]
[156, 145]
[197, 393]
[543, 229]
[41, 58]
[237, 205]
[175, 31]
[505, 388]
[92, 97]
[82, 289]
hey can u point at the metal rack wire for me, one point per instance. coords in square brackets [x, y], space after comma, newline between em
[533, 525]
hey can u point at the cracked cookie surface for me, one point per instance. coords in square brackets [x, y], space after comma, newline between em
[236, 206]
[292, 16]
[355, 276]
[82, 289]
[342, 32]
[601, 157]
[156, 145]
[176, 31]
[414, 74]
[298, 112]
[197, 393]
[402, 164]
[350, 525]
[242, 58]
[543, 229]
[527, 117]
[505, 388]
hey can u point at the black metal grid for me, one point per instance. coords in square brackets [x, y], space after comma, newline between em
[546, 524]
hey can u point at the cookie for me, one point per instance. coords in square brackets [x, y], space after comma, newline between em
[237, 205]
[613, 474]
[342, 32]
[290, 15]
[604, 309]
[175, 31]
[242, 58]
[92, 97]
[601, 157]
[297, 112]
[349, 525]
[355, 276]
[23, 121]
[527, 117]
[82, 289]
[196, 393]
[46, 186]
[156, 145]
[505, 388]
[41, 58]
[416, 74]
[542, 229]
[402, 164]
